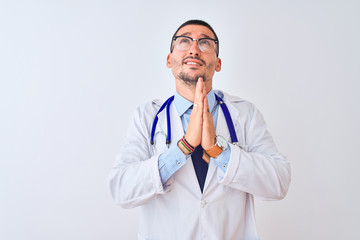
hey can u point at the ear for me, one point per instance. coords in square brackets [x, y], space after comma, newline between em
[218, 65]
[168, 60]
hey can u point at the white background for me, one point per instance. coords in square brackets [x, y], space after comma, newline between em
[72, 73]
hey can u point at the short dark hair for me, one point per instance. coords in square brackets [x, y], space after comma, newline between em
[196, 22]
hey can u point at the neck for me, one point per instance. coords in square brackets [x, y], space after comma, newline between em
[188, 91]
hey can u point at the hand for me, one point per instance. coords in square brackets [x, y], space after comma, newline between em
[208, 128]
[194, 131]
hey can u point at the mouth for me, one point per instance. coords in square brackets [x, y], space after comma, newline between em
[194, 62]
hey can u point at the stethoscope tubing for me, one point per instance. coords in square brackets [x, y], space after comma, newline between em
[168, 138]
[167, 103]
[228, 119]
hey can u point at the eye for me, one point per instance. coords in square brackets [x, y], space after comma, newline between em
[183, 40]
[205, 42]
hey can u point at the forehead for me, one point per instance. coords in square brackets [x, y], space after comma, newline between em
[195, 30]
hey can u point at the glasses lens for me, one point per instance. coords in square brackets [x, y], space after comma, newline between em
[183, 43]
[206, 45]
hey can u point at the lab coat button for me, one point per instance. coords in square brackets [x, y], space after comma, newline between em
[203, 203]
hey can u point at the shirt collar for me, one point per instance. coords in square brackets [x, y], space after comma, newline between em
[182, 104]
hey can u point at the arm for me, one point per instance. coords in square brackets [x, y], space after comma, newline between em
[257, 168]
[134, 178]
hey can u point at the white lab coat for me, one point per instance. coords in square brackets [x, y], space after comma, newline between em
[179, 210]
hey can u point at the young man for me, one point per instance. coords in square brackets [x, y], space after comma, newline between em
[202, 185]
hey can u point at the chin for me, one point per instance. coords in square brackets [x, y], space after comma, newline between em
[191, 78]
[195, 74]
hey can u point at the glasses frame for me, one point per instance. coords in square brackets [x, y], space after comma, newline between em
[192, 40]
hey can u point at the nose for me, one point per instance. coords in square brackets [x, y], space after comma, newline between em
[194, 50]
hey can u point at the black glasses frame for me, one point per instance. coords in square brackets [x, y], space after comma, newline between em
[176, 37]
[193, 39]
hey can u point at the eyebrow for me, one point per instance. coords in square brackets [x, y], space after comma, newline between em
[188, 33]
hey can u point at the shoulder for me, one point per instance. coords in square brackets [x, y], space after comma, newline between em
[241, 109]
[147, 111]
[234, 100]
[149, 108]
[144, 115]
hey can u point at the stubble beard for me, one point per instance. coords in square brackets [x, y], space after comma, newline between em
[190, 80]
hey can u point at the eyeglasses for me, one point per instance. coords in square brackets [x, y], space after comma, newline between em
[184, 43]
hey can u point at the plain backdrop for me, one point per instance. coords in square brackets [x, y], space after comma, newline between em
[72, 72]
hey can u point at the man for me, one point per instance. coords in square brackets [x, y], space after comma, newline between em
[202, 185]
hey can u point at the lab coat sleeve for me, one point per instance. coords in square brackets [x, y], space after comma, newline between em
[134, 178]
[257, 167]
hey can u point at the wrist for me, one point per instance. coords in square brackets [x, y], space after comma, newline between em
[211, 145]
[189, 140]
[216, 150]
[185, 147]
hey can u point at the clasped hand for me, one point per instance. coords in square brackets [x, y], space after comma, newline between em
[201, 128]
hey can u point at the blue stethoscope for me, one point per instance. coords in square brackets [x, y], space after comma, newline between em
[167, 103]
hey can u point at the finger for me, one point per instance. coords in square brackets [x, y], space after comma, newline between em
[208, 121]
[199, 87]
[205, 100]
[207, 118]
[206, 109]
[199, 95]
[208, 133]
[204, 87]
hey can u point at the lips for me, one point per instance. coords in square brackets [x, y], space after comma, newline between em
[193, 61]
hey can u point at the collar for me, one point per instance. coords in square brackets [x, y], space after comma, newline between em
[182, 104]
